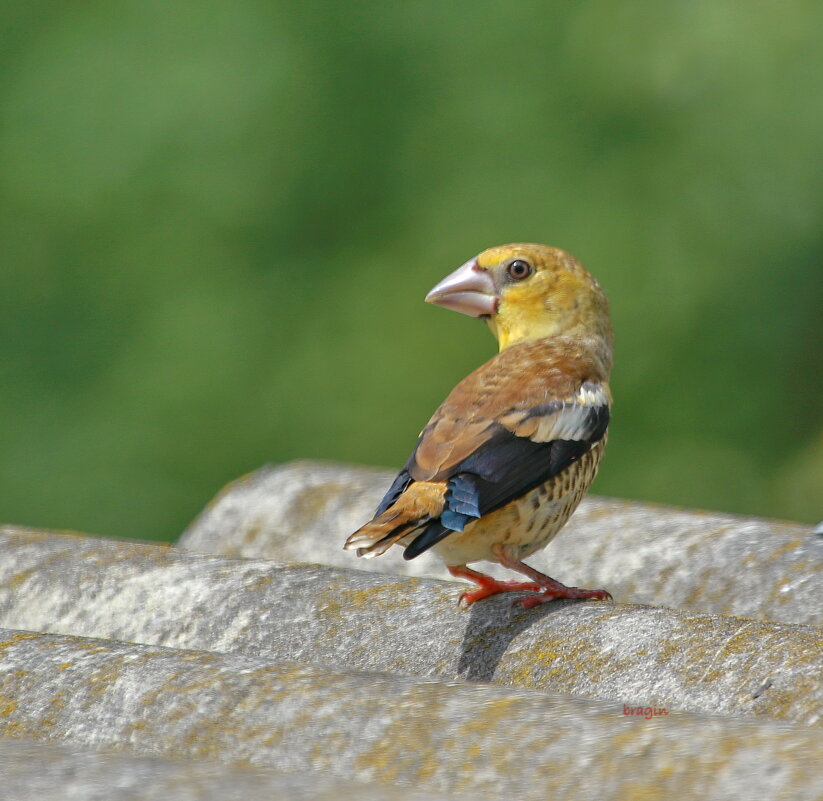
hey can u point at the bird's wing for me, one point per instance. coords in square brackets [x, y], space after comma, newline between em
[516, 451]
[501, 433]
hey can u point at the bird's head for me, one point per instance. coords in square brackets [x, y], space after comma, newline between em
[527, 292]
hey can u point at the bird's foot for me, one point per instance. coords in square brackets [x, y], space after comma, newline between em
[550, 590]
[488, 585]
[561, 591]
[494, 587]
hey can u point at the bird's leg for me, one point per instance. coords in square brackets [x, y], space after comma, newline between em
[550, 590]
[488, 585]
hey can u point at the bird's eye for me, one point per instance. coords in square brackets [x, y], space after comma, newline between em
[519, 269]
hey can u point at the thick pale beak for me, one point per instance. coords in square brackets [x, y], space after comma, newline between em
[469, 290]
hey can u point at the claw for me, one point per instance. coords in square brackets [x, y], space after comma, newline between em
[488, 586]
[530, 601]
[547, 588]
[494, 587]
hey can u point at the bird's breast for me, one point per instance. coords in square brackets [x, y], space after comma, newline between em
[528, 523]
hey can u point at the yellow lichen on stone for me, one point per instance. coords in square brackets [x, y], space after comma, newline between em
[787, 547]
[7, 706]
[250, 535]
[259, 584]
[17, 637]
[104, 676]
[388, 597]
[557, 663]
[497, 715]
[406, 748]
[20, 578]
[56, 706]
[308, 506]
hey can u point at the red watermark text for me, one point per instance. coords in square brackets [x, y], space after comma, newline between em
[647, 712]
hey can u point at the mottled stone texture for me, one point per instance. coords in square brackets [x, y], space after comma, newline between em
[629, 654]
[214, 676]
[709, 562]
[36, 771]
[497, 743]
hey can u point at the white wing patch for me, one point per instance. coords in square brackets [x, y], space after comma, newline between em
[591, 394]
[569, 420]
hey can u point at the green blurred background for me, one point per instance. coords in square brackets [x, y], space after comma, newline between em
[218, 222]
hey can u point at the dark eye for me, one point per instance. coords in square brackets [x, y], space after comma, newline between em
[519, 269]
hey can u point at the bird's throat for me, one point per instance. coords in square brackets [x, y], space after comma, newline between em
[511, 330]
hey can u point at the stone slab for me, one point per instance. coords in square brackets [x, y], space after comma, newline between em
[38, 771]
[437, 737]
[642, 553]
[632, 654]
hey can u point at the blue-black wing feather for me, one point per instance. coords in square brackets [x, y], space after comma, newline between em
[397, 488]
[503, 468]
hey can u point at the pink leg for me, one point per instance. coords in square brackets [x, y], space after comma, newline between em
[488, 585]
[550, 590]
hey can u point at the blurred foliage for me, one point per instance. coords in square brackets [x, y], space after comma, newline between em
[218, 222]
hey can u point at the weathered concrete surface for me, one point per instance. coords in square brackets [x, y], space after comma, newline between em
[634, 655]
[36, 771]
[301, 512]
[641, 553]
[431, 736]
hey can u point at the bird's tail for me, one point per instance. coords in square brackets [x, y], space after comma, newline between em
[413, 510]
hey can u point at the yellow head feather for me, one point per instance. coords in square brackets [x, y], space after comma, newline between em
[558, 296]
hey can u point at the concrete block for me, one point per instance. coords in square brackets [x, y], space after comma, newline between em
[641, 553]
[631, 654]
[38, 771]
[436, 737]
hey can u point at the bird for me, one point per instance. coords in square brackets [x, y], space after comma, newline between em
[507, 457]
